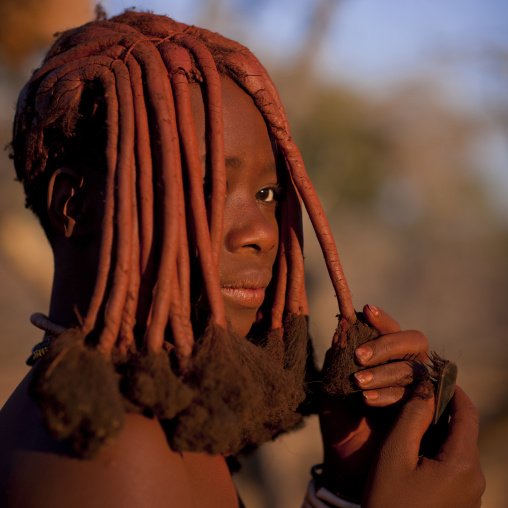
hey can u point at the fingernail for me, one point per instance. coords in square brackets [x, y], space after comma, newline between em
[364, 377]
[374, 310]
[371, 395]
[364, 353]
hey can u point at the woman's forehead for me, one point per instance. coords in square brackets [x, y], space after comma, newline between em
[246, 135]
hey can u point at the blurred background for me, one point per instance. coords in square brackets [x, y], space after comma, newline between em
[401, 112]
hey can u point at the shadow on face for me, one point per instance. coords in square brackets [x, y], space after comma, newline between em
[251, 230]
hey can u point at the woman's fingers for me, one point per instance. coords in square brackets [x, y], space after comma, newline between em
[388, 384]
[460, 448]
[463, 428]
[388, 360]
[407, 345]
[402, 444]
[380, 320]
[390, 374]
[384, 397]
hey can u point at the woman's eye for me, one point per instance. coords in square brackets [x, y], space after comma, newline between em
[267, 195]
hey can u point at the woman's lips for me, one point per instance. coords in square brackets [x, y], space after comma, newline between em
[251, 298]
[246, 288]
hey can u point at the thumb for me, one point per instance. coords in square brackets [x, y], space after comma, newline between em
[402, 444]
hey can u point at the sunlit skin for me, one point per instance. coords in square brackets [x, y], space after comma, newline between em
[351, 435]
[124, 473]
[251, 230]
[248, 253]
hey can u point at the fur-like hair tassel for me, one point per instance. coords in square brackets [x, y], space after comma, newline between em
[149, 384]
[225, 396]
[244, 395]
[340, 364]
[76, 388]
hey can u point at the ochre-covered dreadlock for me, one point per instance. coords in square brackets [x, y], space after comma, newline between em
[139, 67]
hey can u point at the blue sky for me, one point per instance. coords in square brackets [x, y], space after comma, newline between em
[374, 44]
[367, 39]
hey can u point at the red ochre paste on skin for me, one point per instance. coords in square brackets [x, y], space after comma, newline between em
[117, 91]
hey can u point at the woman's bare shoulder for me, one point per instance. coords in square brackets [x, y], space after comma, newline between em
[138, 469]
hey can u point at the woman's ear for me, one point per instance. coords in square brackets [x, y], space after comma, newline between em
[66, 202]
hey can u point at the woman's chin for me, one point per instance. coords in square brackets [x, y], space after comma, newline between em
[240, 321]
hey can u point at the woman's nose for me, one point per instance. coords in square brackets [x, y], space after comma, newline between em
[248, 227]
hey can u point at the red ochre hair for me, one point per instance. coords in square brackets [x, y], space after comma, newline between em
[136, 341]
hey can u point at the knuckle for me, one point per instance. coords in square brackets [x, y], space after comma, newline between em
[404, 375]
[471, 473]
[477, 485]
[396, 374]
[481, 483]
[420, 338]
[386, 347]
[470, 413]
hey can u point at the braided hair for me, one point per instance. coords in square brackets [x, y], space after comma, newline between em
[122, 86]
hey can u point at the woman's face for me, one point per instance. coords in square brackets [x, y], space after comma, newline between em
[251, 230]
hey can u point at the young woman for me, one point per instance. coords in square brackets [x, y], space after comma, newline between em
[159, 160]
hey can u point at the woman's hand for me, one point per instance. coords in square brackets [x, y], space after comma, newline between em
[386, 384]
[451, 479]
[353, 429]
